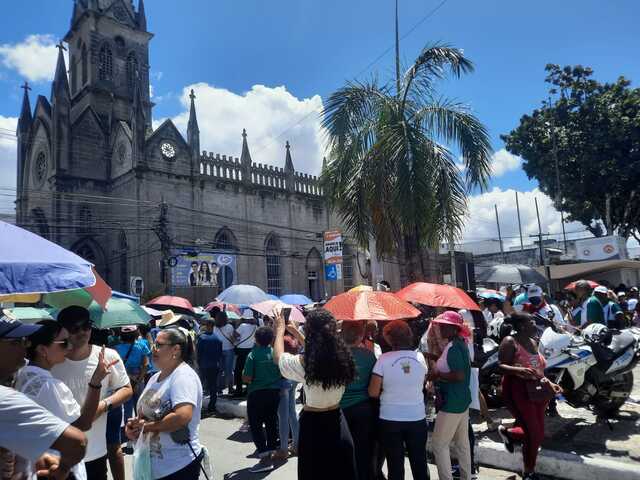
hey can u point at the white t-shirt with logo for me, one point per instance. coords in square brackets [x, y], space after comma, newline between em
[76, 375]
[403, 374]
[245, 338]
[160, 398]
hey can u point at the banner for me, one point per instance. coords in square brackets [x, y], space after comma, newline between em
[204, 269]
[601, 248]
[333, 247]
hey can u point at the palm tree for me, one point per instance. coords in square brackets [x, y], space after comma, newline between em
[391, 173]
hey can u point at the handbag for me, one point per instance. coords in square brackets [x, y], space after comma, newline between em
[539, 391]
[142, 458]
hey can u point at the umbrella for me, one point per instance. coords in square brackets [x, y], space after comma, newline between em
[361, 288]
[490, 294]
[273, 297]
[32, 264]
[510, 273]
[243, 295]
[436, 295]
[116, 294]
[169, 302]
[268, 306]
[28, 314]
[119, 312]
[368, 305]
[572, 285]
[228, 307]
[296, 299]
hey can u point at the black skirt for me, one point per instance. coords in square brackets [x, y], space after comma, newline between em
[325, 450]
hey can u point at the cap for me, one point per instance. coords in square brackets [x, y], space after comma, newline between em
[247, 314]
[622, 294]
[15, 329]
[633, 289]
[449, 317]
[534, 291]
[601, 289]
[129, 329]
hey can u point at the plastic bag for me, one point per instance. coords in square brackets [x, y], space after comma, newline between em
[206, 468]
[142, 458]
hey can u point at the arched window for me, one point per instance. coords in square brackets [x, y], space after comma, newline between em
[74, 75]
[85, 218]
[224, 240]
[84, 61]
[39, 221]
[105, 63]
[347, 266]
[132, 71]
[272, 250]
[124, 270]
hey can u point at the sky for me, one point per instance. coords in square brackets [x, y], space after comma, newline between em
[267, 66]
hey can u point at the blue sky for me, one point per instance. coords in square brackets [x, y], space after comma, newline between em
[228, 47]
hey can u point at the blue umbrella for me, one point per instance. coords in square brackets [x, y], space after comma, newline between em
[242, 295]
[32, 264]
[116, 294]
[273, 297]
[296, 299]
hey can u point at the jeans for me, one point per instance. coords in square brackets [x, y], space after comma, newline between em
[287, 415]
[190, 472]
[452, 430]
[395, 437]
[97, 469]
[241, 358]
[262, 411]
[225, 379]
[210, 376]
[361, 420]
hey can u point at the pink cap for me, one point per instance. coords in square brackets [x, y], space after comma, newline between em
[449, 317]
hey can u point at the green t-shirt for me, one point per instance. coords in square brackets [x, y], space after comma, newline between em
[594, 313]
[265, 374]
[457, 396]
[358, 390]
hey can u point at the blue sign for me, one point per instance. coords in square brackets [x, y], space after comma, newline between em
[330, 272]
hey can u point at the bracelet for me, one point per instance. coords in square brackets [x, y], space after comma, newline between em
[95, 387]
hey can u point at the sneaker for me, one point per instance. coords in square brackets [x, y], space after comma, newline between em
[280, 455]
[508, 443]
[492, 425]
[264, 465]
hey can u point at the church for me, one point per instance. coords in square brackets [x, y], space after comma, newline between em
[147, 206]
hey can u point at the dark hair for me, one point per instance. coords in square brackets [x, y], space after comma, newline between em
[178, 337]
[128, 337]
[221, 319]
[353, 332]
[72, 315]
[518, 319]
[327, 360]
[44, 336]
[399, 335]
[194, 263]
[264, 336]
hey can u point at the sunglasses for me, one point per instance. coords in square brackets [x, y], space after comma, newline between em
[79, 327]
[157, 345]
[64, 343]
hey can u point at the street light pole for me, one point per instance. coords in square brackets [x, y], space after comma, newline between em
[558, 199]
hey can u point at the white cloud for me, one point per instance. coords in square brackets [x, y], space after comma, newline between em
[503, 162]
[266, 112]
[34, 58]
[7, 163]
[481, 219]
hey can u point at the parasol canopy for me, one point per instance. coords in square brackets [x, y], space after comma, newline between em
[436, 295]
[242, 295]
[510, 274]
[488, 293]
[368, 305]
[28, 314]
[170, 302]
[296, 299]
[119, 312]
[361, 288]
[572, 285]
[228, 307]
[267, 308]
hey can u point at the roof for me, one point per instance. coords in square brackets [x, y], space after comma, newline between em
[588, 268]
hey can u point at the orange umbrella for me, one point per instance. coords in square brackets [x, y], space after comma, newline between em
[369, 305]
[436, 295]
[572, 285]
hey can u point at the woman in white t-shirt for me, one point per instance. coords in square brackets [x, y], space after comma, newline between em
[325, 446]
[398, 380]
[169, 410]
[47, 348]
[227, 335]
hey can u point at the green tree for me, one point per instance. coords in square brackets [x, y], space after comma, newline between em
[592, 129]
[390, 172]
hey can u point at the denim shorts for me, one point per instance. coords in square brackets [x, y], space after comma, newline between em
[114, 424]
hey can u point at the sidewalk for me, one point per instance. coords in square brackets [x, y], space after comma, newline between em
[576, 447]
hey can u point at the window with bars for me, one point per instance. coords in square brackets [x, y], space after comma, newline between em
[273, 267]
[347, 266]
[223, 241]
[105, 63]
[132, 71]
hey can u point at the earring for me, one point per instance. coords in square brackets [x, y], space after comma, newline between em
[173, 356]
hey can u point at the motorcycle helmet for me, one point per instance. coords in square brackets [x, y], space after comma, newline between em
[495, 327]
[597, 333]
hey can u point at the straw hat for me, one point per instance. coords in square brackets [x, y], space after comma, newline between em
[168, 318]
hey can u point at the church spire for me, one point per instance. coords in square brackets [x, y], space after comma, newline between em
[245, 157]
[60, 83]
[193, 132]
[24, 122]
[142, 16]
[288, 163]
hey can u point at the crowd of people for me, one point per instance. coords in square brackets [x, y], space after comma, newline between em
[367, 388]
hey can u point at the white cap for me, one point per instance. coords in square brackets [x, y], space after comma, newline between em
[534, 291]
[247, 314]
[622, 294]
[601, 289]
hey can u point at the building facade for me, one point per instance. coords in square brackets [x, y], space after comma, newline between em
[95, 177]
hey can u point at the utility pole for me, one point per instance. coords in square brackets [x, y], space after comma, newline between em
[519, 223]
[452, 258]
[162, 231]
[499, 234]
[542, 262]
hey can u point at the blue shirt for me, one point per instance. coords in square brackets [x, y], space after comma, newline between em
[209, 350]
[133, 363]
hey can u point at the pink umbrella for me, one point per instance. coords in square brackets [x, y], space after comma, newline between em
[268, 307]
[170, 302]
[229, 307]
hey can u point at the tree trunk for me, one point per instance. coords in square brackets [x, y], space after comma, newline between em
[413, 259]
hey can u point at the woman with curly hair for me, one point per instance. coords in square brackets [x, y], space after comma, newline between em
[325, 449]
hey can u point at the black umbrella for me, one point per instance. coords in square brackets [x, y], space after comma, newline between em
[510, 274]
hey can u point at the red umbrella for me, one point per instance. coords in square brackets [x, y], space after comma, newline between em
[223, 306]
[436, 295]
[572, 285]
[169, 302]
[369, 305]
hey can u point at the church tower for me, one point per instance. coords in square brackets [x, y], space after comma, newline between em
[109, 60]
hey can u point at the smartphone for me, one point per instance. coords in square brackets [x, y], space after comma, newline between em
[286, 313]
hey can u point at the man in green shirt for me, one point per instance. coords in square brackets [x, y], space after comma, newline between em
[263, 377]
[594, 307]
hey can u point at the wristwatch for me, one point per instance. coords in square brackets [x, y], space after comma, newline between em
[108, 404]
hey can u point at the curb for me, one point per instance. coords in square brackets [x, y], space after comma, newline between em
[492, 454]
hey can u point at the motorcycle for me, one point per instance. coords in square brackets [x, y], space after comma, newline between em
[595, 369]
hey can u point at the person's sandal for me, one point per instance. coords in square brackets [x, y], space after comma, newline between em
[508, 443]
[264, 465]
[280, 455]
